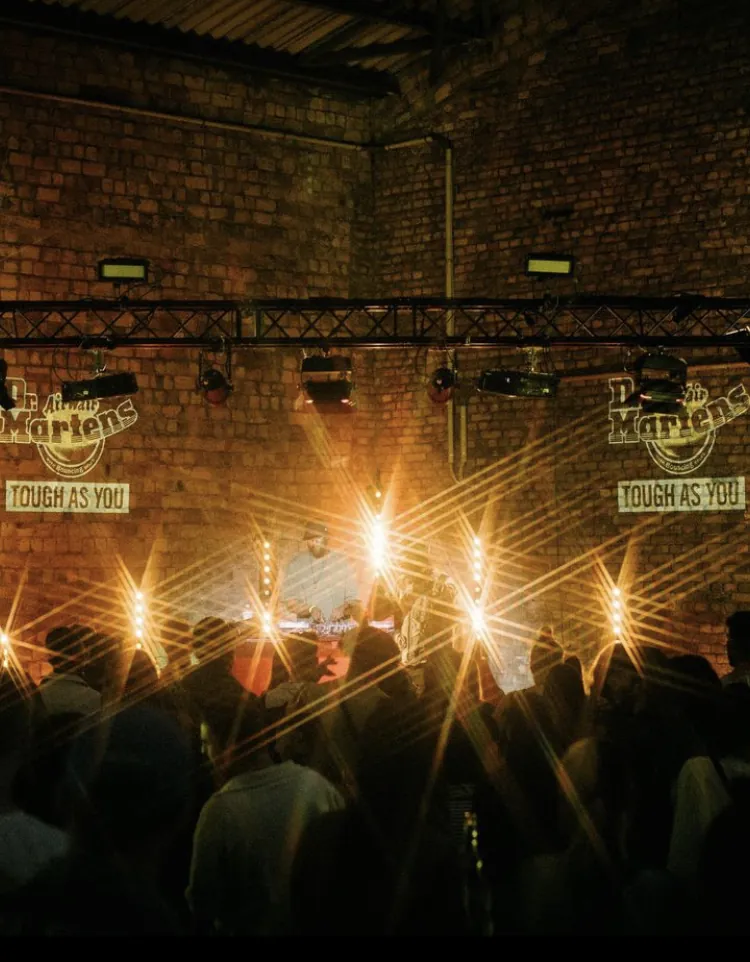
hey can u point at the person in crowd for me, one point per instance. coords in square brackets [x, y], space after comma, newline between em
[340, 716]
[104, 667]
[733, 735]
[27, 844]
[383, 862]
[39, 784]
[142, 678]
[212, 641]
[296, 667]
[212, 659]
[296, 674]
[248, 832]
[565, 699]
[66, 691]
[721, 868]
[320, 585]
[175, 640]
[546, 652]
[738, 648]
[427, 619]
[128, 791]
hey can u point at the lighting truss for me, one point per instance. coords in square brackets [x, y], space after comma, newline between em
[416, 322]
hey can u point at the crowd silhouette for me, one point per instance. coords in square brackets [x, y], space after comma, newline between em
[611, 801]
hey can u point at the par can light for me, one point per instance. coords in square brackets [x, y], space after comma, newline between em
[442, 385]
[214, 386]
[106, 385]
[327, 383]
[661, 383]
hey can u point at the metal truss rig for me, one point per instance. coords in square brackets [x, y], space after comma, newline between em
[421, 322]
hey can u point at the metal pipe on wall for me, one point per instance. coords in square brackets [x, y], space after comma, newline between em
[271, 133]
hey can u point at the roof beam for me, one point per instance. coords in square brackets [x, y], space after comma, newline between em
[355, 54]
[381, 13]
[250, 59]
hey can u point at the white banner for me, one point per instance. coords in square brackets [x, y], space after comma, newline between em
[58, 496]
[682, 494]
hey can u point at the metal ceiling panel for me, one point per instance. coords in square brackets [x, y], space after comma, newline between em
[301, 27]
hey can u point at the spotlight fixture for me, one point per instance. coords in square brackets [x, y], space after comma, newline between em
[100, 386]
[123, 270]
[661, 381]
[5, 649]
[6, 401]
[474, 596]
[442, 385]
[526, 384]
[214, 385]
[327, 383]
[378, 530]
[550, 265]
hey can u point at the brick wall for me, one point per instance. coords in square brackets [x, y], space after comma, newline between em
[618, 135]
[219, 213]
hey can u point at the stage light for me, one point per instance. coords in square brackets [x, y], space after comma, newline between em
[214, 386]
[478, 623]
[123, 270]
[616, 614]
[475, 601]
[520, 384]
[5, 648]
[139, 619]
[442, 385]
[266, 572]
[477, 570]
[101, 386]
[327, 383]
[550, 265]
[6, 401]
[661, 381]
[378, 545]
[267, 623]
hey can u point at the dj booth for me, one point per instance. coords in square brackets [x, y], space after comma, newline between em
[253, 660]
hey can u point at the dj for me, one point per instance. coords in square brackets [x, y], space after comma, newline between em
[320, 585]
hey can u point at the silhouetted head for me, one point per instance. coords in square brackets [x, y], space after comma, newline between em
[214, 639]
[374, 649]
[67, 645]
[131, 780]
[545, 653]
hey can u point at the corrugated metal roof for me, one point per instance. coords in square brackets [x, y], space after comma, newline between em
[304, 28]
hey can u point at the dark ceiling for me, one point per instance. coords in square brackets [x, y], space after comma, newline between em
[361, 46]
